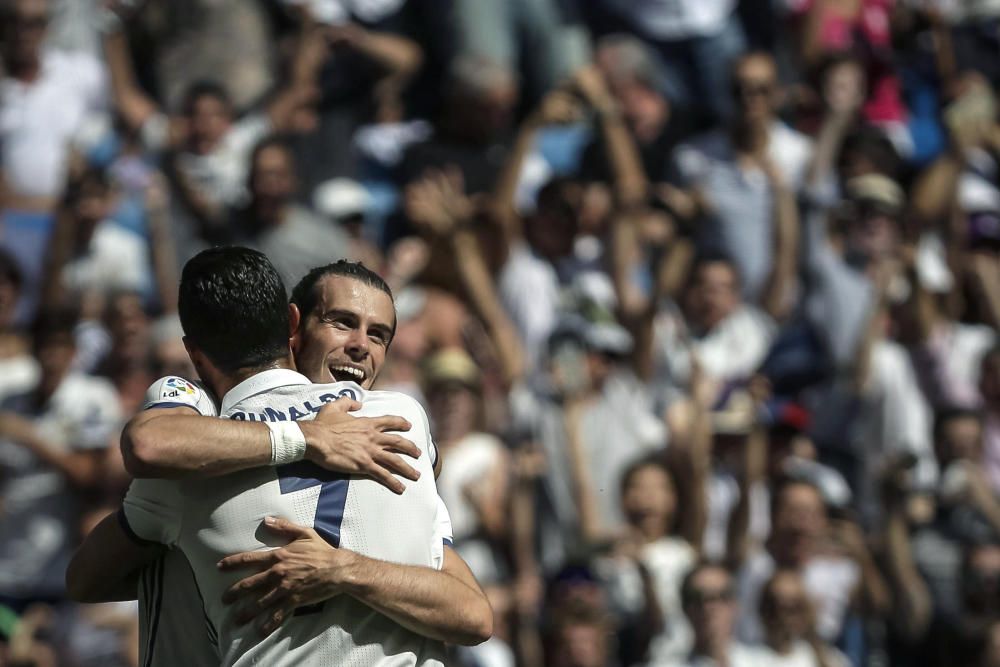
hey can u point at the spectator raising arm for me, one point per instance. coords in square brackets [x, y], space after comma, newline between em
[777, 300]
[83, 469]
[438, 203]
[752, 473]
[163, 253]
[630, 182]
[911, 598]
[133, 105]
[557, 107]
[398, 59]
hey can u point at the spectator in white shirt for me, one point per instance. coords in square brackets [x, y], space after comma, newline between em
[53, 443]
[730, 168]
[709, 598]
[713, 328]
[831, 557]
[45, 98]
[788, 619]
[91, 255]
[208, 147]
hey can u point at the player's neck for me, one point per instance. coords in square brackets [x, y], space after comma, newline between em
[225, 382]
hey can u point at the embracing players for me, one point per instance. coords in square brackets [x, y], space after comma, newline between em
[392, 592]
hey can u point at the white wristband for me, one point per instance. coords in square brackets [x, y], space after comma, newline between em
[288, 444]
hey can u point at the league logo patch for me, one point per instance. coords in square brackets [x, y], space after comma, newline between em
[179, 385]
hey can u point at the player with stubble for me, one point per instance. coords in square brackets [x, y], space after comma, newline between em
[342, 320]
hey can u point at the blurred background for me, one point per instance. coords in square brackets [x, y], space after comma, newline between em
[701, 296]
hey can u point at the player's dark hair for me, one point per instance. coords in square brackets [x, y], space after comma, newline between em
[233, 307]
[204, 88]
[304, 293]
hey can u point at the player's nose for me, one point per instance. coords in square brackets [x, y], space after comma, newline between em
[357, 345]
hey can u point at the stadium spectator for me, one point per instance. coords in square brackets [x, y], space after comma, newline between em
[740, 171]
[683, 280]
[291, 235]
[55, 439]
[709, 597]
[48, 96]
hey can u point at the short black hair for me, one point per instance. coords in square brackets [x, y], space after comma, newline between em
[304, 293]
[713, 256]
[655, 460]
[10, 268]
[947, 415]
[873, 144]
[204, 88]
[687, 584]
[233, 307]
[92, 178]
[53, 323]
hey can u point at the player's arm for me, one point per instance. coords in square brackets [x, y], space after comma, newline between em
[106, 565]
[446, 604]
[172, 439]
[89, 577]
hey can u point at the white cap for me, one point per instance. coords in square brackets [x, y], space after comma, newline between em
[340, 197]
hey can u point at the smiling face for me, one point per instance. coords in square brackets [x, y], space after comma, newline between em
[346, 335]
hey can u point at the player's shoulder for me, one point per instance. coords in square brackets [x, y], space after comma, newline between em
[174, 391]
[395, 400]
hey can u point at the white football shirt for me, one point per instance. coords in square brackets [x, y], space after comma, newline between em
[211, 519]
[169, 633]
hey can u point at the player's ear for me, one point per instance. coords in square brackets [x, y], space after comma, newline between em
[294, 320]
[198, 359]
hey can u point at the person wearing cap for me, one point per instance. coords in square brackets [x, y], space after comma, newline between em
[473, 483]
[474, 471]
[592, 419]
[855, 272]
[344, 204]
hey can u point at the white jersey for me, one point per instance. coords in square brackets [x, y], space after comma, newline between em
[211, 519]
[169, 633]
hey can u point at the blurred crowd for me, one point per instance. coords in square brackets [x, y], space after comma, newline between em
[701, 297]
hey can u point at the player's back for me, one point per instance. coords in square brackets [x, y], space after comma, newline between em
[224, 516]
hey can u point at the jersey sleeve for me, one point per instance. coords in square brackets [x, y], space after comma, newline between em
[151, 511]
[176, 392]
[442, 534]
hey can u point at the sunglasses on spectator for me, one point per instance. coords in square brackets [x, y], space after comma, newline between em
[752, 88]
[795, 605]
[29, 22]
[703, 596]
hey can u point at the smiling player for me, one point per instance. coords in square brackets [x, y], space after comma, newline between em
[343, 319]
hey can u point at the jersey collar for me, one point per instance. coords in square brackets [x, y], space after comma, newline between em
[259, 383]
